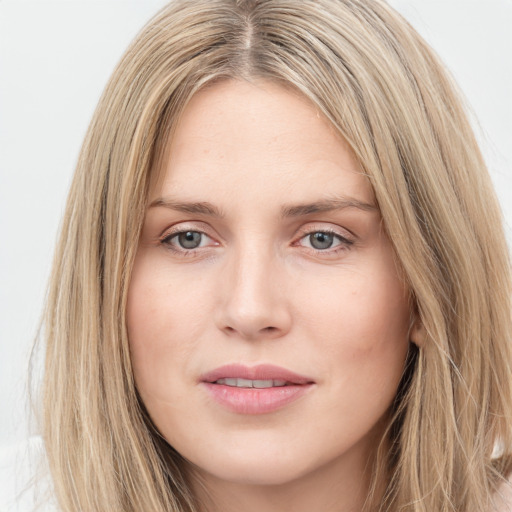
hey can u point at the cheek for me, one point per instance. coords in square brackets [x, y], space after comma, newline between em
[366, 308]
[360, 323]
[161, 322]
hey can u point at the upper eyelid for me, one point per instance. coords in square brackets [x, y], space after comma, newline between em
[344, 241]
[187, 226]
[302, 231]
[327, 228]
[169, 235]
[166, 241]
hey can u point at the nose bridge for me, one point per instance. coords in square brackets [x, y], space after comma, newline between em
[253, 304]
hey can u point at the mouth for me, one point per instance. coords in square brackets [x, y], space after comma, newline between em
[255, 390]
[262, 375]
[248, 383]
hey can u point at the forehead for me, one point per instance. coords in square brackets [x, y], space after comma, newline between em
[258, 140]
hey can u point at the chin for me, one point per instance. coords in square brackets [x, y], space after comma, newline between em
[255, 474]
[259, 468]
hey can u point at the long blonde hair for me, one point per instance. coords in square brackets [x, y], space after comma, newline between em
[383, 89]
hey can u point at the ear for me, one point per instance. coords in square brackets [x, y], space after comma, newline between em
[417, 331]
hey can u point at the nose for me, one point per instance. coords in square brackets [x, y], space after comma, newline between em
[253, 301]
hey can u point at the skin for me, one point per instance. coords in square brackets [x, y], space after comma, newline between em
[256, 290]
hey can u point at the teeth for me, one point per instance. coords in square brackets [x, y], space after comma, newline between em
[262, 383]
[246, 383]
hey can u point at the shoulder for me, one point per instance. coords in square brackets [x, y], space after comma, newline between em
[23, 484]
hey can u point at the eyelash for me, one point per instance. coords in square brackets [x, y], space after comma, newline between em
[166, 241]
[343, 245]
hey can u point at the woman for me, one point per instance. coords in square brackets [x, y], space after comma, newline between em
[276, 287]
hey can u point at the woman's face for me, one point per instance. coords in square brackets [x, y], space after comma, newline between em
[268, 324]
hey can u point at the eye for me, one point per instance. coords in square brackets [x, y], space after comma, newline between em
[324, 240]
[321, 240]
[187, 240]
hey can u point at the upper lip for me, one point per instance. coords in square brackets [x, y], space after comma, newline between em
[259, 372]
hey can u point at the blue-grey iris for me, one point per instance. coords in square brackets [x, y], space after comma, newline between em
[321, 240]
[189, 239]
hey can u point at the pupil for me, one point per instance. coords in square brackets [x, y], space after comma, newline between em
[321, 240]
[189, 239]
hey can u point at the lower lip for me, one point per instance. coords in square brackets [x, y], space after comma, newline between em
[255, 400]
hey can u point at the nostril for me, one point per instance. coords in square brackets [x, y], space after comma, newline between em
[264, 331]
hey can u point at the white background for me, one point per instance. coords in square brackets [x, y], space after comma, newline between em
[55, 58]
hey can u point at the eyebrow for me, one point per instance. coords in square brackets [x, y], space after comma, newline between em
[326, 205]
[299, 210]
[203, 207]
